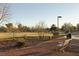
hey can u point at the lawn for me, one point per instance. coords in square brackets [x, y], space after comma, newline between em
[23, 34]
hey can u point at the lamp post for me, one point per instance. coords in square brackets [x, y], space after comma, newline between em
[58, 21]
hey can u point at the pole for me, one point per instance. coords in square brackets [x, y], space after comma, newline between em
[58, 22]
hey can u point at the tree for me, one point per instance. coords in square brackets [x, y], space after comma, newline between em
[20, 27]
[3, 29]
[40, 27]
[78, 26]
[25, 28]
[68, 27]
[9, 27]
[3, 14]
[3, 11]
[53, 28]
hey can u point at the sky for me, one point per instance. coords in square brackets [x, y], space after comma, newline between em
[31, 14]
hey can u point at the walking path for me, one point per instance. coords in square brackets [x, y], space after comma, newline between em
[75, 37]
[45, 48]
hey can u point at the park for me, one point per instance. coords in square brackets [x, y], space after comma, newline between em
[21, 39]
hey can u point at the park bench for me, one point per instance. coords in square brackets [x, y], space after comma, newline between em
[63, 44]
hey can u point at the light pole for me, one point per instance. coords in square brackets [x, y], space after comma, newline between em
[58, 21]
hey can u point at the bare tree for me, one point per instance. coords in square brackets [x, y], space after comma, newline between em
[40, 26]
[3, 11]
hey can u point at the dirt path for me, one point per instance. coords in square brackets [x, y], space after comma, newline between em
[42, 49]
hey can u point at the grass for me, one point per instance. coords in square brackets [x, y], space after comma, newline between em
[26, 35]
[7, 35]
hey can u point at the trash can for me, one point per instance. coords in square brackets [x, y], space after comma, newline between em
[68, 36]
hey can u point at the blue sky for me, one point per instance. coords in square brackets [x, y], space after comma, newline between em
[31, 13]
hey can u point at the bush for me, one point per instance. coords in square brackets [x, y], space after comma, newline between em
[19, 44]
